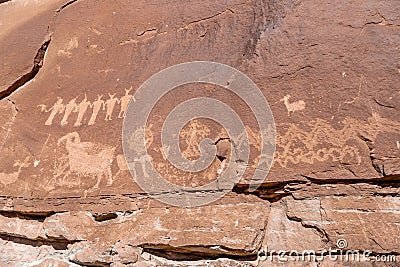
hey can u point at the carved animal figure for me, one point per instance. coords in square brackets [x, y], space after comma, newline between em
[295, 106]
[320, 141]
[88, 158]
[9, 178]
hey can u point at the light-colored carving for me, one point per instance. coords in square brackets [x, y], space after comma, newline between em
[125, 102]
[97, 105]
[142, 160]
[122, 165]
[110, 104]
[72, 44]
[86, 158]
[136, 137]
[320, 141]
[82, 108]
[69, 108]
[57, 108]
[193, 134]
[9, 178]
[295, 106]
[6, 127]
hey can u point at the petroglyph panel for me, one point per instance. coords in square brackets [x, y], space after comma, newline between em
[320, 141]
[315, 141]
[332, 82]
[60, 112]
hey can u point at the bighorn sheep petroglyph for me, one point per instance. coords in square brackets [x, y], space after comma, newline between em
[86, 158]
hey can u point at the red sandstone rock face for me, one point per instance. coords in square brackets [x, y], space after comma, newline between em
[330, 72]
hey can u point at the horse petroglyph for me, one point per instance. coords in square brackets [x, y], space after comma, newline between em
[99, 105]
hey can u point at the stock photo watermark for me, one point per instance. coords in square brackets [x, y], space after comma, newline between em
[340, 253]
[201, 72]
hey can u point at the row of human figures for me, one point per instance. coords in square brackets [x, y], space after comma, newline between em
[83, 106]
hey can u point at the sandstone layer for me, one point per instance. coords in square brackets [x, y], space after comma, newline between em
[330, 71]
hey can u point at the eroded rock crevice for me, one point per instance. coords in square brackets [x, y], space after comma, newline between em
[38, 60]
[35, 216]
[66, 5]
[198, 253]
[37, 65]
[60, 244]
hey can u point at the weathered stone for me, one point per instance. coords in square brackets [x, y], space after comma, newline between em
[151, 260]
[16, 253]
[15, 226]
[358, 220]
[285, 233]
[328, 69]
[54, 263]
[223, 229]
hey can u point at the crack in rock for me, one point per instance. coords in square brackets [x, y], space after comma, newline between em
[38, 60]
[197, 252]
[36, 216]
[383, 105]
[370, 146]
[208, 18]
[57, 244]
[321, 231]
[65, 5]
[37, 65]
[146, 31]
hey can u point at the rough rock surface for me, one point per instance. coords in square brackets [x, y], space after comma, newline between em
[330, 71]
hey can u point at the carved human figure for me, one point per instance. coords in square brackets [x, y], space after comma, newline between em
[57, 108]
[69, 108]
[110, 104]
[82, 108]
[125, 102]
[97, 105]
[122, 165]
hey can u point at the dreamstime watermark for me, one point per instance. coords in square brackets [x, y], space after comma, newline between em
[149, 94]
[340, 253]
